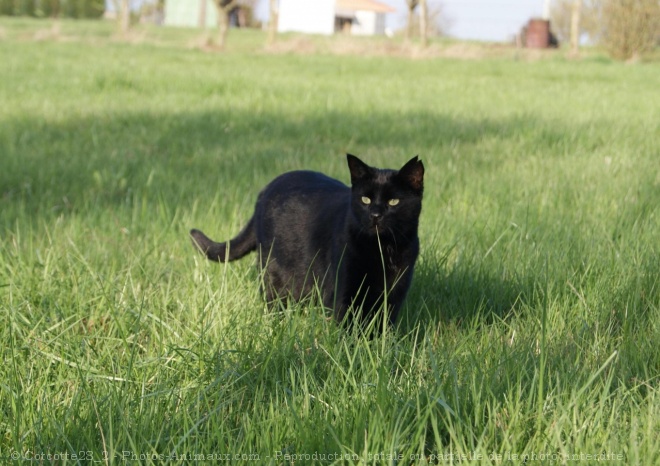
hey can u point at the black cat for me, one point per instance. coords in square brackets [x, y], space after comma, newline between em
[357, 246]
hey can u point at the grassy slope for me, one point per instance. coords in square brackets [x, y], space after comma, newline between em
[532, 324]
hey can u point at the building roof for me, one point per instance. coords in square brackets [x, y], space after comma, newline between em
[364, 5]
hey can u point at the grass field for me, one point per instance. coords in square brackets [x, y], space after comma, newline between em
[532, 326]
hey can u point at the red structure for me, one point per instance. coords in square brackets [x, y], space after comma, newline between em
[538, 34]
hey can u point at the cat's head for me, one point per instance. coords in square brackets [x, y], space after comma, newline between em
[384, 201]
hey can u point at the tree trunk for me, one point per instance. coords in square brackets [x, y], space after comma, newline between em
[423, 22]
[575, 26]
[124, 17]
[55, 9]
[224, 8]
[409, 24]
[223, 28]
[412, 4]
[272, 22]
[202, 14]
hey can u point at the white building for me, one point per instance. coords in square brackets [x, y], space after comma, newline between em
[358, 17]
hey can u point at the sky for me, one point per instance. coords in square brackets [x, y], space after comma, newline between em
[486, 20]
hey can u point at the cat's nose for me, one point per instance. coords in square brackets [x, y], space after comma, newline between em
[376, 215]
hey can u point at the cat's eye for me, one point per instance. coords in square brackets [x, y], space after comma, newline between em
[393, 202]
[366, 200]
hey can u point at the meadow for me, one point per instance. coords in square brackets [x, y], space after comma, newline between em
[531, 330]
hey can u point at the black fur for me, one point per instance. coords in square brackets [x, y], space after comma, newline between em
[313, 231]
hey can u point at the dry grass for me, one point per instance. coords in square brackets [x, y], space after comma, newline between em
[253, 41]
[54, 32]
[384, 47]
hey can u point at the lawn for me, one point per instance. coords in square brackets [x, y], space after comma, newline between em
[532, 325]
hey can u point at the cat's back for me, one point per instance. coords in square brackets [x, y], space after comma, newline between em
[303, 182]
[300, 203]
[303, 187]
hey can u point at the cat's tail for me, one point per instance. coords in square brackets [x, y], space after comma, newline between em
[242, 244]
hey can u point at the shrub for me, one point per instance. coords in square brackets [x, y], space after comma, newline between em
[64, 8]
[630, 28]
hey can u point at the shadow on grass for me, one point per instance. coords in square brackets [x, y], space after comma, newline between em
[460, 294]
[100, 162]
[85, 165]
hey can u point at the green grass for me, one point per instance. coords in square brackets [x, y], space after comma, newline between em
[532, 324]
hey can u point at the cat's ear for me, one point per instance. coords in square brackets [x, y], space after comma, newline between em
[412, 173]
[359, 169]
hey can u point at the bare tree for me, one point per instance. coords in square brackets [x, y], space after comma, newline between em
[630, 28]
[123, 11]
[224, 9]
[560, 19]
[412, 4]
[437, 22]
[626, 28]
[562, 15]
